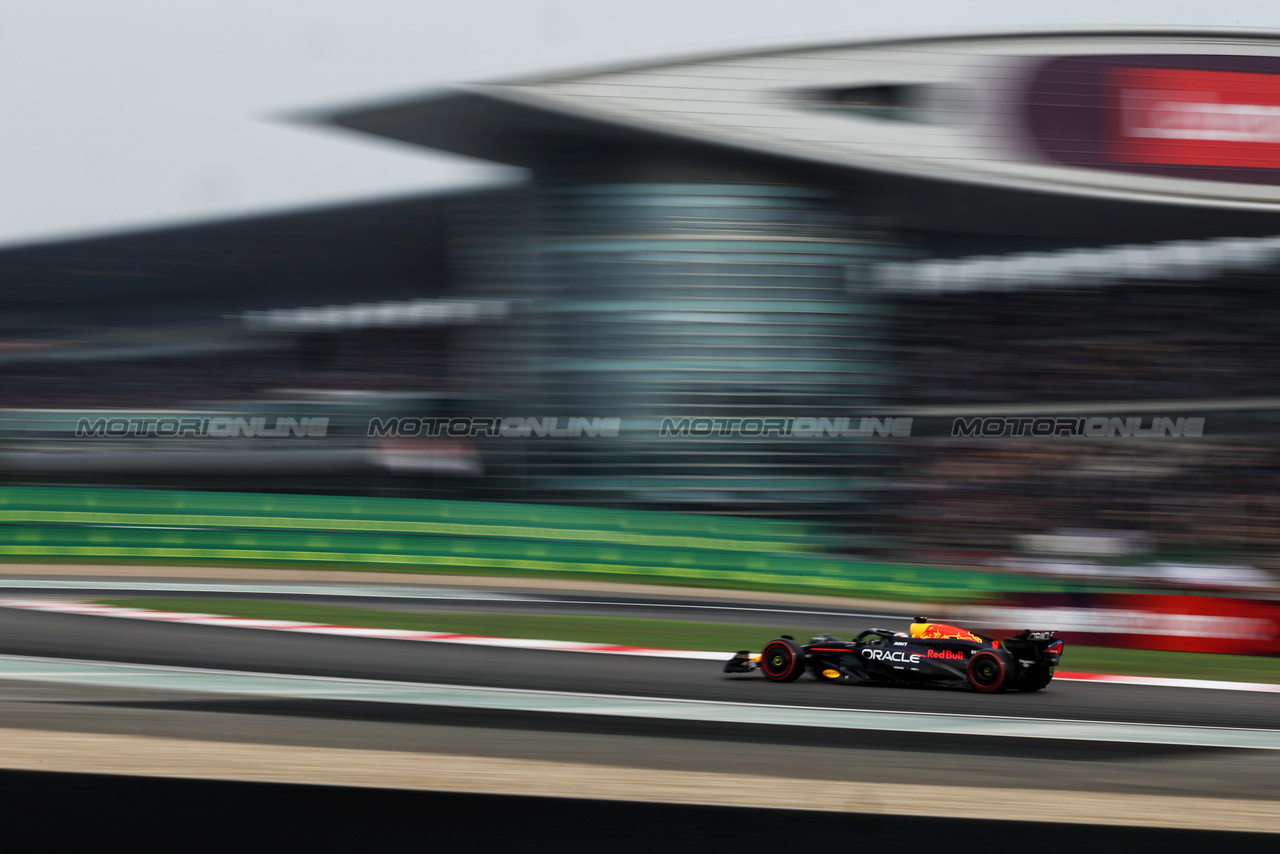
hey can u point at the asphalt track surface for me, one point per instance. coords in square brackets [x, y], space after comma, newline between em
[109, 639]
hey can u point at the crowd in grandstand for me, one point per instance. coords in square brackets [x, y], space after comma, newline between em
[1205, 498]
[1138, 342]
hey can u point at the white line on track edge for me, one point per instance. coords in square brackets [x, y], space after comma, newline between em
[190, 618]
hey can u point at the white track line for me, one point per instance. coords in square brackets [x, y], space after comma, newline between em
[403, 592]
[1167, 682]
[116, 675]
[85, 608]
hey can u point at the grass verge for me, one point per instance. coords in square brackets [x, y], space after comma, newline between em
[682, 634]
[1179, 665]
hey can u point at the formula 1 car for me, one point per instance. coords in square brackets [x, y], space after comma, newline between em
[931, 654]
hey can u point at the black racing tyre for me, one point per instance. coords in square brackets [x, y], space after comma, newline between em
[1035, 679]
[987, 672]
[782, 660]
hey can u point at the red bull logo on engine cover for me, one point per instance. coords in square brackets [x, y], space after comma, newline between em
[944, 653]
[942, 630]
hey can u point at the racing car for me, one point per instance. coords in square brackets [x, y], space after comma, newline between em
[931, 653]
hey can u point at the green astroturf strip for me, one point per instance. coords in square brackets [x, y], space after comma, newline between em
[888, 591]
[681, 634]
[411, 535]
[335, 514]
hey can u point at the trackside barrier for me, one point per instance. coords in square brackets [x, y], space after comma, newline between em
[423, 535]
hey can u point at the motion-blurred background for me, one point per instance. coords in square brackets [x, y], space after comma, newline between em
[673, 212]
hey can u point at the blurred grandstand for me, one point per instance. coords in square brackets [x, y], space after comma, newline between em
[814, 238]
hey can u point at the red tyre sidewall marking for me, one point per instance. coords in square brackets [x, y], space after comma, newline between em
[764, 657]
[995, 686]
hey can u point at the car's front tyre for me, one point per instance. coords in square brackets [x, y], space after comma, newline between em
[782, 660]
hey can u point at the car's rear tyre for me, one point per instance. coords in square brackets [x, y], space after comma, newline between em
[782, 660]
[987, 672]
[1035, 679]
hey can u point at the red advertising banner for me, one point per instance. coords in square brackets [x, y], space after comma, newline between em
[1140, 621]
[1190, 117]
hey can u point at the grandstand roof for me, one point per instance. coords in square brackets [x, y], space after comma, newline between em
[987, 127]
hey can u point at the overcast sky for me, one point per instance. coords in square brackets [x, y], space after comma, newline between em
[122, 114]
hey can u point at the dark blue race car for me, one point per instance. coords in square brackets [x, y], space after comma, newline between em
[931, 653]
